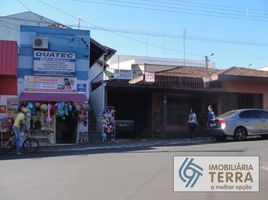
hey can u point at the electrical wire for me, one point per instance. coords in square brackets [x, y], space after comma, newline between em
[115, 31]
[188, 6]
[156, 34]
[206, 5]
[27, 8]
[181, 10]
[120, 35]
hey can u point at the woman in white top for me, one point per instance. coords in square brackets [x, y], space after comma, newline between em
[192, 123]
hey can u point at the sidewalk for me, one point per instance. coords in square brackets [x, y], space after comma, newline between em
[127, 143]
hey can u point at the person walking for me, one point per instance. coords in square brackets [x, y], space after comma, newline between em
[17, 126]
[211, 115]
[192, 123]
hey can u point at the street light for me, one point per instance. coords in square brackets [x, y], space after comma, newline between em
[207, 60]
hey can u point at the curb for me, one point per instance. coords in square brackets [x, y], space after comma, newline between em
[127, 144]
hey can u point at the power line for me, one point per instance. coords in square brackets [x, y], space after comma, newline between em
[206, 5]
[143, 42]
[177, 36]
[120, 35]
[211, 7]
[239, 57]
[27, 8]
[158, 34]
[192, 7]
[182, 10]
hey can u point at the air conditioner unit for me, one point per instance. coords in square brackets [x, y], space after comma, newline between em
[40, 43]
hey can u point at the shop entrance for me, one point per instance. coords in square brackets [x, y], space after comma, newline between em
[55, 118]
[66, 130]
[66, 123]
[131, 107]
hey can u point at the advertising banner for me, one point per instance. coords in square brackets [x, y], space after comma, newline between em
[52, 63]
[49, 84]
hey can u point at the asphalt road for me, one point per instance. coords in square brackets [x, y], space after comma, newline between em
[125, 174]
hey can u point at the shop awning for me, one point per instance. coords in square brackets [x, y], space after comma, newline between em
[27, 96]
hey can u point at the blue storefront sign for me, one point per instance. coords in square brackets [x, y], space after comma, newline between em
[81, 87]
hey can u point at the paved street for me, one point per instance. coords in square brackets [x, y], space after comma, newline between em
[141, 173]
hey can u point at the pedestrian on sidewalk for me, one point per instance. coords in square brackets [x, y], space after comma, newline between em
[211, 115]
[17, 126]
[192, 123]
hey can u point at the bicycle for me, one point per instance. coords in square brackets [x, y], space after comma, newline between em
[29, 145]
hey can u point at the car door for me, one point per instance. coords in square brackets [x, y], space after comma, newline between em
[264, 121]
[251, 121]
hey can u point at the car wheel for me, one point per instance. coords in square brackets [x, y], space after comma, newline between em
[220, 138]
[240, 133]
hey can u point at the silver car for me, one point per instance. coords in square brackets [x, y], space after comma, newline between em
[239, 124]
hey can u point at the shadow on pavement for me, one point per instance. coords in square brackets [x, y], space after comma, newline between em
[124, 148]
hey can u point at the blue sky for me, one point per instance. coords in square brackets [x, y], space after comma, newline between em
[236, 31]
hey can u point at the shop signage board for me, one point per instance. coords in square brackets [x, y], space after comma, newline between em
[123, 74]
[149, 77]
[81, 87]
[50, 84]
[53, 63]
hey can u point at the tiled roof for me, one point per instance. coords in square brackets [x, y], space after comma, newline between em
[240, 71]
[191, 71]
[201, 72]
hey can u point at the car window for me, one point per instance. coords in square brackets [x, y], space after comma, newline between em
[227, 113]
[264, 114]
[249, 114]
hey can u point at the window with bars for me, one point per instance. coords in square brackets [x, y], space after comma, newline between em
[178, 110]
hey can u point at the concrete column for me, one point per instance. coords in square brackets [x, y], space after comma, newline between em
[164, 103]
[105, 95]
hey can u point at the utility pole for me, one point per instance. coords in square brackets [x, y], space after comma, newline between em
[206, 62]
[147, 45]
[184, 37]
[78, 23]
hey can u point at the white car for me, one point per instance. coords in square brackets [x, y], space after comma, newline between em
[239, 124]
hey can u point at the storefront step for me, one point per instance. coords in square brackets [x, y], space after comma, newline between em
[45, 144]
[41, 137]
[94, 136]
[43, 140]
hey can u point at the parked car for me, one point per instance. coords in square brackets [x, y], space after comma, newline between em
[239, 124]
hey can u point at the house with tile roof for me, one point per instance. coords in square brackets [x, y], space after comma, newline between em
[159, 101]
